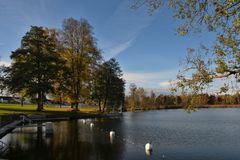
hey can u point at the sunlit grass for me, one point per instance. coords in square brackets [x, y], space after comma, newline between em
[48, 109]
[17, 107]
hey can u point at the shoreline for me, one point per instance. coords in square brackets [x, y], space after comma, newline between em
[41, 117]
[11, 125]
[166, 107]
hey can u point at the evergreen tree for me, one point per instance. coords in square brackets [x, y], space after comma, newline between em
[108, 90]
[35, 64]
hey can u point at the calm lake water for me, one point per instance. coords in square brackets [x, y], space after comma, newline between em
[175, 135]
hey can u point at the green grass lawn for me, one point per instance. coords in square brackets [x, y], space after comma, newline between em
[31, 109]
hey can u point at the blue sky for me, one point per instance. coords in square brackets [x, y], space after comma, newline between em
[147, 47]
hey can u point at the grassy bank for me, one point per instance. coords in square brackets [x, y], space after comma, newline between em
[9, 109]
[6, 109]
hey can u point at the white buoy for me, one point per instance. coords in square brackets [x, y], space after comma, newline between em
[148, 148]
[148, 153]
[91, 125]
[112, 134]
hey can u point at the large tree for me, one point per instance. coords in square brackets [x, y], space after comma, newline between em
[35, 64]
[82, 56]
[108, 88]
[203, 65]
[3, 75]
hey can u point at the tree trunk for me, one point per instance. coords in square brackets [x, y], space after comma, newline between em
[22, 102]
[106, 95]
[76, 106]
[39, 106]
[60, 102]
[40, 102]
[104, 104]
[99, 105]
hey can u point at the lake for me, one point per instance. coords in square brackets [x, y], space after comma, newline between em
[175, 135]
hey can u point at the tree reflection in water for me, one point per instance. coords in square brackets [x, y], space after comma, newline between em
[71, 140]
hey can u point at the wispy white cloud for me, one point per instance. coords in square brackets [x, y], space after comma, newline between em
[145, 77]
[123, 27]
[5, 63]
[164, 83]
[156, 81]
[117, 49]
[157, 91]
[168, 83]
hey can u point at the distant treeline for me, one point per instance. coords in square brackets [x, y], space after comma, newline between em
[138, 99]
